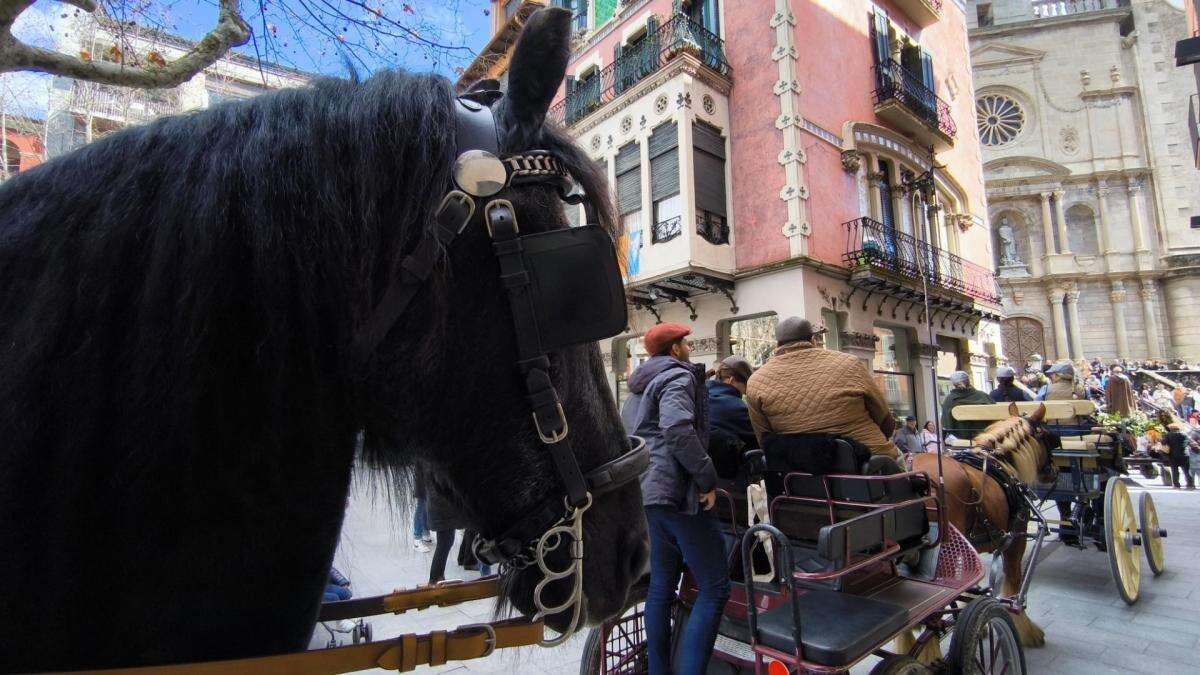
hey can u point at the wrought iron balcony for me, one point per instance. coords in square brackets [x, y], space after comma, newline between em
[904, 100]
[678, 35]
[666, 230]
[873, 246]
[712, 227]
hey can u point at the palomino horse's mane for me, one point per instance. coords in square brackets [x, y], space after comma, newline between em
[1012, 441]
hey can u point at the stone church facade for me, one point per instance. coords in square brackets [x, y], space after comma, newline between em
[1090, 184]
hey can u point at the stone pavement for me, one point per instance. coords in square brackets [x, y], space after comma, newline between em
[1089, 629]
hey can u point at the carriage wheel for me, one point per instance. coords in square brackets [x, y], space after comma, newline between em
[1152, 534]
[900, 665]
[985, 641]
[1122, 540]
[593, 652]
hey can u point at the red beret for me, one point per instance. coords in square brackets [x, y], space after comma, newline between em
[658, 340]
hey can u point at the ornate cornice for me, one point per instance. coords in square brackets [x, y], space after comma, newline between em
[852, 340]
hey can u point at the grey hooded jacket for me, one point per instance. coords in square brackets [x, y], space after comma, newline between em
[668, 407]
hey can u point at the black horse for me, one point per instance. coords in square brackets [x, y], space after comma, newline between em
[180, 405]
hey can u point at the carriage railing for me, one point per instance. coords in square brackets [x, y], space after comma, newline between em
[870, 243]
[895, 82]
[677, 35]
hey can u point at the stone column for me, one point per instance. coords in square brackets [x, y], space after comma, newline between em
[1048, 225]
[922, 357]
[1061, 222]
[1102, 221]
[1135, 216]
[1072, 296]
[1118, 304]
[1061, 351]
[1153, 338]
[876, 196]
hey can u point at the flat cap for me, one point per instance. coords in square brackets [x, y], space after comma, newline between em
[959, 377]
[658, 340]
[795, 329]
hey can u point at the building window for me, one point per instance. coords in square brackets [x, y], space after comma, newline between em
[664, 172]
[708, 162]
[999, 119]
[629, 179]
[892, 372]
[579, 13]
[983, 14]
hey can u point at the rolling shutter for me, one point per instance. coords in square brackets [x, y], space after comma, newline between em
[664, 161]
[629, 179]
[709, 164]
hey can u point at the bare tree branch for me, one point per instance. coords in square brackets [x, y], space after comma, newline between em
[231, 31]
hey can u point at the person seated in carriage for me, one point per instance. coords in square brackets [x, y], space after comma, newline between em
[962, 392]
[1007, 390]
[730, 431]
[805, 389]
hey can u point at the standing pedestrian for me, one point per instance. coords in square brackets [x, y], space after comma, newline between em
[422, 537]
[929, 439]
[908, 437]
[444, 518]
[1177, 458]
[668, 407]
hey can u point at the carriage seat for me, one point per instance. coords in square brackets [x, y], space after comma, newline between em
[858, 624]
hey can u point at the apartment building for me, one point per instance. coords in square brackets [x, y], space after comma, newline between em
[788, 157]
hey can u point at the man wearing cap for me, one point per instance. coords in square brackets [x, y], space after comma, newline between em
[908, 437]
[1006, 390]
[668, 407]
[962, 392]
[1062, 385]
[807, 389]
[730, 431]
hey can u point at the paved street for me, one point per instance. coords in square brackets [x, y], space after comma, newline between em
[1089, 629]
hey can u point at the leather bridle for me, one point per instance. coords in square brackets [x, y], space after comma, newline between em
[480, 173]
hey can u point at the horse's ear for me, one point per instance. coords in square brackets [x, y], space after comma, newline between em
[538, 66]
[1037, 415]
[1013, 410]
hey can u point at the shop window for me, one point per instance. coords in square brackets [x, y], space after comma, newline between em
[892, 371]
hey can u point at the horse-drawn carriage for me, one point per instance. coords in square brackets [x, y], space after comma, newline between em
[848, 564]
[1091, 489]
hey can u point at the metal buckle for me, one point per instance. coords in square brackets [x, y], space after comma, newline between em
[458, 195]
[487, 215]
[491, 636]
[552, 438]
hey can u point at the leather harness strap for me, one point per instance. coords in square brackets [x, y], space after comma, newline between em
[403, 653]
[443, 594]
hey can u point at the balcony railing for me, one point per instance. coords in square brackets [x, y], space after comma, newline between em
[712, 227]
[870, 243]
[654, 51]
[128, 105]
[1043, 9]
[666, 230]
[897, 83]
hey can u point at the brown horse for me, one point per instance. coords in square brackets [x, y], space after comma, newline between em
[971, 496]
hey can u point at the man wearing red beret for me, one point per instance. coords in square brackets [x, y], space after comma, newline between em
[668, 407]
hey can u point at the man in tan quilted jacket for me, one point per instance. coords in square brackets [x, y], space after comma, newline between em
[805, 388]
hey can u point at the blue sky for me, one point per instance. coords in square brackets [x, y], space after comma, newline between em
[464, 26]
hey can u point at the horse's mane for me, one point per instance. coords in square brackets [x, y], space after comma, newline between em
[176, 284]
[1012, 441]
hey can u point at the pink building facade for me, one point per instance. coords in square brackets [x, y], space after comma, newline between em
[789, 157]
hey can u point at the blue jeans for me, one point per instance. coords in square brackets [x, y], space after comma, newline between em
[334, 593]
[676, 540]
[419, 527]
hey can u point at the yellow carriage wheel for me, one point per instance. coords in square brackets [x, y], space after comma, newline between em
[1122, 540]
[1152, 534]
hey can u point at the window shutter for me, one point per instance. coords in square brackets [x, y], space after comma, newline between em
[650, 45]
[629, 179]
[664, 161]
[619, 68]
[882, 28]
[709, 166]
[927, 71]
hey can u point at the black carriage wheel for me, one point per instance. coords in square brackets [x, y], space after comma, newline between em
[900, 665]
[985, 641]
[593, 652]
